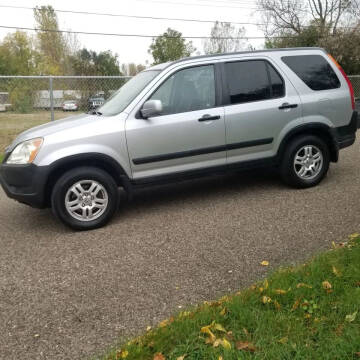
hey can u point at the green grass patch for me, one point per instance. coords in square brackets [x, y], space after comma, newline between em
[12, 124]
[304, 312]
[1, 158]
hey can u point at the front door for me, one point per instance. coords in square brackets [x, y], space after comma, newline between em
[189, 134]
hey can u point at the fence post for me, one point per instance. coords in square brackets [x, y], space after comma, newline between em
[51, 97]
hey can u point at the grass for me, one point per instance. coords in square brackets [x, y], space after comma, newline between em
[307, 312]
[12, 124]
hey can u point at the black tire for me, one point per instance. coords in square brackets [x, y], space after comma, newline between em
[67, 180]
[287, 167]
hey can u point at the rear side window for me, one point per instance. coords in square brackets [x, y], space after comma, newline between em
[253, 80]
[313, 70]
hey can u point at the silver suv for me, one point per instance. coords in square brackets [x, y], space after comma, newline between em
[289, 108]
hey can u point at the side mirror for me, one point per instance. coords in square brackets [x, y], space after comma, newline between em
[151, 108]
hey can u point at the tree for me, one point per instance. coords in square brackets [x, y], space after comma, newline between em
[131, 69]
[17, 55]
[330, 26]
[170, 46]
[88, 62]
[225, 38]
[292, 16]
[52, 44]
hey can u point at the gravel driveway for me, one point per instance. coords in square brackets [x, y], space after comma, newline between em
[66, 295]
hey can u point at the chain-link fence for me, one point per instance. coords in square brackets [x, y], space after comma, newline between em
[355, 80]
[27, 101]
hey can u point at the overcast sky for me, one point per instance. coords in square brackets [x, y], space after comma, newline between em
[135, 49]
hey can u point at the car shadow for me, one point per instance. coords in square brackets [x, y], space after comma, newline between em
[197, 189]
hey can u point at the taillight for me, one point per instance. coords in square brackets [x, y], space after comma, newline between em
[351, 89]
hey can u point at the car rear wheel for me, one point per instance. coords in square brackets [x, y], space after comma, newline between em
[305, 161]
[85, 198]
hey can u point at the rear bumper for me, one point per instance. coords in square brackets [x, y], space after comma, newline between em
[346, 135]
[25, 183]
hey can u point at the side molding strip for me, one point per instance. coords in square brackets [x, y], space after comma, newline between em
[208, 150]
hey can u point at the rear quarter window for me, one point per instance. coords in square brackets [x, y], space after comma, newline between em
[313, 70]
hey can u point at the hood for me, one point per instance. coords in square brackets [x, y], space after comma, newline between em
[53, 127]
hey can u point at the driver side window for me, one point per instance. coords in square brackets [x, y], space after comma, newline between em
[187, 90]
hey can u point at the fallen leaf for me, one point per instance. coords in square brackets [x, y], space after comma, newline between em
[266, 284]
[335, 271]
[218, 327]
[358, 354]
[277, 305]
[220, 358]
[122, 354]
[230, 335]
[303, 285]
[264, 263]
[159, 356]
[245, 346]
[326, 285]
[296, 304]
[206, 330]
[148, 328]
[354, 236]
[223, 311]
[280, 291]
[225, 298]
[216, 343]
[283, 340]
[351, 317]
[266, 299]
[339, 330]
[166, 322]
[226, 344]
[181, 357]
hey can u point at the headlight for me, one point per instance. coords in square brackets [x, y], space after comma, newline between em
[25, 152]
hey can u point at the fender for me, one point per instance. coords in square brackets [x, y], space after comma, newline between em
[105, 162]
[324, 131]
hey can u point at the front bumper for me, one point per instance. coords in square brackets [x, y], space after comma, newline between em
[25, 183]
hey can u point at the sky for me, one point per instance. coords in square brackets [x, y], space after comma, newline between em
[136, 49]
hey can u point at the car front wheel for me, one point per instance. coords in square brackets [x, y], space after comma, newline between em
[85, 198]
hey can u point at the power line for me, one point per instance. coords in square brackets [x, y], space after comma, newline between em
[140, 35]
[149, 36]
[132, 16]
[157, 18]
[192, 4]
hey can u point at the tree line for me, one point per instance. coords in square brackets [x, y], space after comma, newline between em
[330, 24]
[55, 53]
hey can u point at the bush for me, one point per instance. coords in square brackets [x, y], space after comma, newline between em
[21, 100]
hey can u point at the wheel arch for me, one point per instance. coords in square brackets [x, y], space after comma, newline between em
[323, 131]
[101, 161]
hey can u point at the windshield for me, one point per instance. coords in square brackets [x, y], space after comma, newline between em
[127, 93]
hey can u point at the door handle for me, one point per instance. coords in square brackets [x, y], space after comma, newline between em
[288, 106]
[208, 117]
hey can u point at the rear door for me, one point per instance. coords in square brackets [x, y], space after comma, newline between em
[260, 102]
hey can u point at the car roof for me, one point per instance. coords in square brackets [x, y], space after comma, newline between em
[247, 52]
